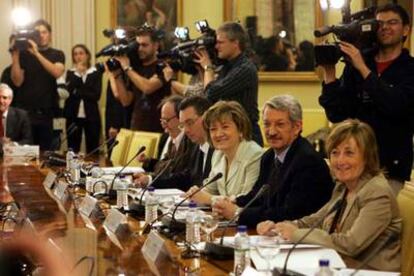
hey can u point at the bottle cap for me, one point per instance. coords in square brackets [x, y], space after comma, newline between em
[151, 189]
[192, 204]
[241, 228]
[323, 262]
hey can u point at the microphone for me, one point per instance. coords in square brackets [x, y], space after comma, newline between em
[137, 207]
[284, 272]
[114, 144]
[176, 226]
[390, 236]
[99, 147]
[141, 149]
[220, 251]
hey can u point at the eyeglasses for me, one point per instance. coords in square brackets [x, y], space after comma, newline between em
[391, 22]
[187, 123]
[167, 120]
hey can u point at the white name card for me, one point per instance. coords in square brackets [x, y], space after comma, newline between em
[60, 190]
[155, 252]
[49, 180]
[87, 205]
[114, 220]
[18, 150]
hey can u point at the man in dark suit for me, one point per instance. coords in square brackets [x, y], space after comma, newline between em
[299, 179]
[15, 123]
[198, 165]
[177, 149]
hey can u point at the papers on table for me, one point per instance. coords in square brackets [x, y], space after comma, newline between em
[127, 170]
[284, 245]
[161, 193]
[302, 260]
[347, 272]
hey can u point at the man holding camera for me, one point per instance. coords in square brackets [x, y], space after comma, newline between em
[35, 72]
[144, 86]
[237, 80]
[378, 88]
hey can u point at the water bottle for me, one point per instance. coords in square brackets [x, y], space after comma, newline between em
[151, 205]
[324, 269]
[241, 250]
[192, 228]
[69, 156]
[75, 170]
[122, 193]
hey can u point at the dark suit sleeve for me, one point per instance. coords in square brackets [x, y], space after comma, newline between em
[307, 188]
[18, 127]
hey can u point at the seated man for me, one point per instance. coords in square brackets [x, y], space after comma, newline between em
[177, 149]
[198, 164]
[299, 179]
[15, 123]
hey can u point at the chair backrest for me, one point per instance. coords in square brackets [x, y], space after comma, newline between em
[118, 155]
[405, 201]
[139, 139]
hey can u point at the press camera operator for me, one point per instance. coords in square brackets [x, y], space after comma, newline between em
[378, 88]
[35, 71]
[237, 80]
[143, 86]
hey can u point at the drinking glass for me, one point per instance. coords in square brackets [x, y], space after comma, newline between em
[268, 248]
[209, 223]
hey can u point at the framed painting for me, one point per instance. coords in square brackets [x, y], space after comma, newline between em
[161, 14]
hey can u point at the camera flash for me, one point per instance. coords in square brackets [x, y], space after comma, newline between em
[21, 17]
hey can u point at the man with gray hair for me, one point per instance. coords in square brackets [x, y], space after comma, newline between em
[299, 179]
[15, 123]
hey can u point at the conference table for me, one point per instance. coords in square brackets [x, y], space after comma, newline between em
[76, 236]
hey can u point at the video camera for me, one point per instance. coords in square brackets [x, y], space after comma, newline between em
[21, 38]
[181, 56]
[122, 45]
[359, 29]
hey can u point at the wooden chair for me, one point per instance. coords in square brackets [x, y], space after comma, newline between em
[405, 201]
[118, 156]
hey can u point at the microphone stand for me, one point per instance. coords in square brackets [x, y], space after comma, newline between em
[285, 271]
[220, 251]
[137, 208]
[141, 149]
[174, 226]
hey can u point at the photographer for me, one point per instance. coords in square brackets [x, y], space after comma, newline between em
[144, 87]
[35, 72]
[195, 86]
[237, 80]
[378, 88]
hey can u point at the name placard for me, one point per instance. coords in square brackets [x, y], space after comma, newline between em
[87, 205]
[60, 190]
[49, 180]
[114, 220]
[155, 252]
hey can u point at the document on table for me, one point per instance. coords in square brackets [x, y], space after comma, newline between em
[301, 260]
[127, 170]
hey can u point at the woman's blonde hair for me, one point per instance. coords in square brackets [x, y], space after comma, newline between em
[228, 109]
[364, 137]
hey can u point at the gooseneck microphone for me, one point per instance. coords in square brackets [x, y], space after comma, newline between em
[220, 251]
[141, 149]
[171, 223]
[137, 208]
[285, 271]
[89, 154]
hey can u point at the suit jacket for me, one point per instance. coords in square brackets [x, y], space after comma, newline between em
[302, 187]
[370, 217]
[191, 175]
[149, 164]
[242, 173]
[88, 91]
[18, 127]
[176, 161]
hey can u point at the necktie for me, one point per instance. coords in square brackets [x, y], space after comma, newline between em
[274, 175]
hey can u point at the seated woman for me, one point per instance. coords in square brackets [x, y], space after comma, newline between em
[367, 218]
[236, 156]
